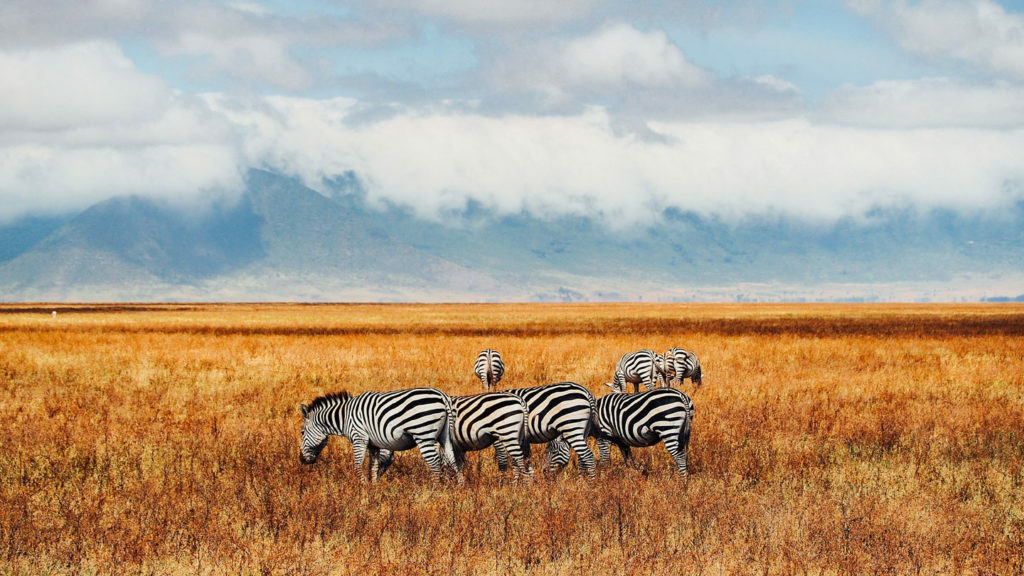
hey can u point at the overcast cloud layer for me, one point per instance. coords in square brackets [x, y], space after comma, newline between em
[579, 107]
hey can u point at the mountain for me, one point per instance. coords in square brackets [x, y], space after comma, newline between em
[283, 241]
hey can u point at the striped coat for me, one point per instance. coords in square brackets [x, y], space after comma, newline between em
[561, 411]
[640, 367]
[645, 419]
[494, 418]
[380, 423]
[489, 368]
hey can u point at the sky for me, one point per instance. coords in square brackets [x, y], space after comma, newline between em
[618, 110]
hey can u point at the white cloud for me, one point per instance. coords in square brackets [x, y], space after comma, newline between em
[620, 55]
[609, 62]
[436, 162]
[505, 13]
[82, 84]
[932, 102]
[979, 32]
[79, 124]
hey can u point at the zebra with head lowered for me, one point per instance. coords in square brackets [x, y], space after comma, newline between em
[681, 364]
[382, 423]
[639, 420]
[640, 367]
[489, 368]
[561, 411]
[497, 418]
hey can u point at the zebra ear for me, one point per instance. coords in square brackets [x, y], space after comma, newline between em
[610, 385]
[304, 409]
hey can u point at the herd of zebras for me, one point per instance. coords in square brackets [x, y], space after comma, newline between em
[561, 415]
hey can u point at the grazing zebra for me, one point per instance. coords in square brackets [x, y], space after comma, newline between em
[640, 367]
[639, 420]
[382, 423]
[497, 418]
[681, 364]
[489, 368]
[564, 410]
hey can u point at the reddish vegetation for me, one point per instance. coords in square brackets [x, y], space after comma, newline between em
[827, 440]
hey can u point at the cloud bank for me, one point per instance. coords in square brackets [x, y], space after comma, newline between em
[608, 118]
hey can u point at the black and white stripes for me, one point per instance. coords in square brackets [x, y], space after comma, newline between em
[561, 415]
[382, 423]
[489, 368]
[680, 364]
[498, 419]
[564, 410]
[640, 367]
[645, 419]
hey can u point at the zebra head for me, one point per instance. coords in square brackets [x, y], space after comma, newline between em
[696, 378]
[618, 387]
[316, 426]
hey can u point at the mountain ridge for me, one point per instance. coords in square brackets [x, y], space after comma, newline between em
[284, 241]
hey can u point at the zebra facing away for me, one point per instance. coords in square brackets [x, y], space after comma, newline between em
[497, 418]
[640, 367]
[489, 368]
[640, 420]
[561, 411]
[681, 364]
[382, 423]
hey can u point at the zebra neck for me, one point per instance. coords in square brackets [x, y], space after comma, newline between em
[337, 419]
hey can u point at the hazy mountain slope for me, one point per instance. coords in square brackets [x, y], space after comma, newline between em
[21, 235]
[284, 241]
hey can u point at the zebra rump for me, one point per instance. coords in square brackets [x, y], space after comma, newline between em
[682, 364]
[560, 411]
[640, 367]
[489, 368]
[493, 418]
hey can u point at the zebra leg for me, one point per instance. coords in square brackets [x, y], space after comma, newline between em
[374, 454]
[604, 451]
[627, 454]
[501, 456]
[578, 441]
[512, 448]
[428, 450]
[384, 459]
[359, 445]
[677, 444]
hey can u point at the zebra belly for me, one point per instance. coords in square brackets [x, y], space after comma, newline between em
[478, 443]
[403, 442]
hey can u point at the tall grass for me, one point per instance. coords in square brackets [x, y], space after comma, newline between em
[827, 440]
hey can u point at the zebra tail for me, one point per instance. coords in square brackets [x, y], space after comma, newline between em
[593, 428]
[452, 453]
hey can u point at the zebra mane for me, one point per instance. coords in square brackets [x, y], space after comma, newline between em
[328, 399]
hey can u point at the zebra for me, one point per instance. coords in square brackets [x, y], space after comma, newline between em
[640, 367]
[639, 420]
[564, 410]
[382, 423]
[682, 364]
[489, 368]
[497, 418]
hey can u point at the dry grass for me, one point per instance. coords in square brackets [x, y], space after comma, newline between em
[827, 440]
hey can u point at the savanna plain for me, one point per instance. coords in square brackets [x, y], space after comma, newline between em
[828, 439]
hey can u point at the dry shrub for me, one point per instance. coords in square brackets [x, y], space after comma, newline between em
[827, 440]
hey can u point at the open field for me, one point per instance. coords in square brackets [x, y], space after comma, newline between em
[828, 439]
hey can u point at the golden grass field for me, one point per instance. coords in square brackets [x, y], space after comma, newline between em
[828, 439]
